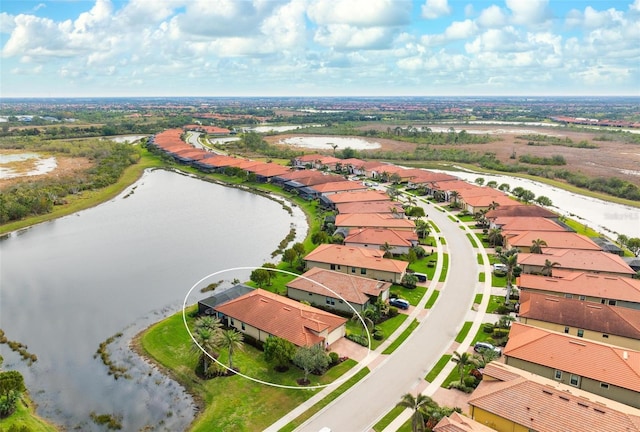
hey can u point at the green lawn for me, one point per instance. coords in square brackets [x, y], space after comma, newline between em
[400, 339]
[464, 331]
[445, 267]
[388, 418]
[473, 241]
[386, 327]
[453, 219]
[435, 371]
[25, 417]
[426, 265]
[432, 299]
[498, 281]
[466, 218]
[412, 295]
[477, 299]
[435, 227]
[443, 241]
[481, 277]
[230, 403]
[480, 259]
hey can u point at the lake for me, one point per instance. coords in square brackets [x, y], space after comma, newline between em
[69, 284]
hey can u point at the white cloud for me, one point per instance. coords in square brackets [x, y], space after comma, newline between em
[360, 13]
[7, 23]
[469, 11]
[433, 9]
[341, 36]
[529, 12]
[492, 17]
[635, 6]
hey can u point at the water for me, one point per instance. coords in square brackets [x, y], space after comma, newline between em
[41, 165]
[603, 216]
[69, 284]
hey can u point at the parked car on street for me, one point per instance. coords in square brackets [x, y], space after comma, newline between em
[399, 303]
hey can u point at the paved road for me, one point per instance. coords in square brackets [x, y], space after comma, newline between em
[401, 372]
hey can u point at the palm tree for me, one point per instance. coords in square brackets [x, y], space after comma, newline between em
[207, 343]
[463, 360]
[418, 405]
[367, 316]
[422, 228]
[536, 246]
[494, 236]
[510, 260]
[232, 340]
[494, 205]
[454, 195]
[386, 248]
[548, 267]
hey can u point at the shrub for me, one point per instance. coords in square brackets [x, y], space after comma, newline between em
[334, 357]
[470, 381]
[500, 333]
[393, 312]
[456, 385]
[488, 328]
[378, 335]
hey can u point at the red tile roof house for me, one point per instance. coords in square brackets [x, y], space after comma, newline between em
[577, 260]
[604, 289]
[442, 189]
[601, 369]
[261, 314]
[338, 187]
[525, 223]
[316, 161]
[614, 325]
[554, 239]
[380, 207]
[475, 200]
[375, 238]
[373, 220]
[356, 261]
[357, 291]
[519, 210]
[350, 197]
[427, 178]
[510, 400]
[458, 423]
[354, 166]
[267, 171]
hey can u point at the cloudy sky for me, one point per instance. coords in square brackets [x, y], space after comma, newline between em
[319, 47]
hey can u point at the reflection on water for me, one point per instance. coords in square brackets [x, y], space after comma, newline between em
[40, 165]
[69, 284]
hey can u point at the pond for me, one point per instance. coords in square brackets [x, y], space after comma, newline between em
[69, 284]
[327, 142]
[13, 165]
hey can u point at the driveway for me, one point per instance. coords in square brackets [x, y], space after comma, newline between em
[404, 371]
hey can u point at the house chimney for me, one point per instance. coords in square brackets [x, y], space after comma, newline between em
[625, 355]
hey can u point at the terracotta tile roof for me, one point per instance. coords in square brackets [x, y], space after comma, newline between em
[487, 200]
[322, 179]
[430, 177]
[481, 191]
[381, 207]
[525, 223]
[356, 163]
[245, 164]
[545, 405]
[578, 259]
[354, 289]
[269, 169]
[298, 174]
[456, 422]
[220, 161]
[356, 257]
[452, 185]
[309, 157]
[373, 220]
[372, 164]
[600, 362]
[281, 316]
[370, 195]
[554, 239]
[341, 186]
[602, 318]
[583, 283]
[377, 236]
[519, 210]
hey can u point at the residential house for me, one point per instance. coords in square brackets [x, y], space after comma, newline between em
[477, 199]
[356, 261]
[614, 325]
[393, 208]
[443, 190]
[457, 422]
[523, 240]
[426, 178]
[374, 238]
[260, 314]
[513, 400]
[519, 210]
[206, 306]
[585, 286]
[317, 161]
[525, 223]
[335, 290]
[338, 187]
[353, 166]
[594, 261]
[346, 197]
[608, 246]
[373, 220]
[266, 171]
[598, 368]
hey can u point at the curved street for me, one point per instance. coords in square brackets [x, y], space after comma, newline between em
[404, 371]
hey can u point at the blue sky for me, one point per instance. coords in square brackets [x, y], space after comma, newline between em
[70, 48]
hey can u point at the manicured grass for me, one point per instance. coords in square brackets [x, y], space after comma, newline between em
[452, 377]
[413, 295]
[435, 371]
[25, 417]
[426, 265]
[229, 403]
[472, 240]
[443, 241]
[481, 277]
[453, 219]
[463, 332]
[494, 302]
[435, 227]
[386, 327]
[581, 228]
[477, 299]
[388, 418]
[480, 259]
[481, 336]
[498, 281]
[445, 267]
[406, 427]
[432, 299]
[403, 336]
[325, 401]
[466, 218]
